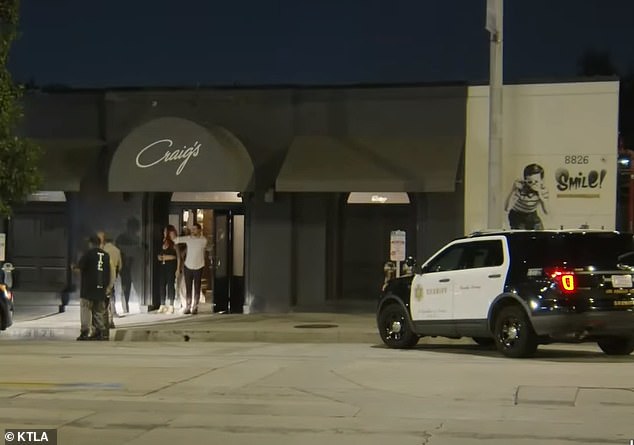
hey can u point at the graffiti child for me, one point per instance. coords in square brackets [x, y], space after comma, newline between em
[526, 196]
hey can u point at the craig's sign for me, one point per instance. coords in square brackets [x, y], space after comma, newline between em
[161, 151]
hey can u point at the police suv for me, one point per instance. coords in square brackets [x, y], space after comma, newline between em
[518, 289]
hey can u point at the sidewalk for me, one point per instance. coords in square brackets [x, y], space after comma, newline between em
[292, 327]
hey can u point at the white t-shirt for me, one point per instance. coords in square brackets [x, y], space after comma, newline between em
[196, 247]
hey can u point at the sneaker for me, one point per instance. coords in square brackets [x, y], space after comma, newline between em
[83, 337]
[162, 309]
[194, 311]
[99, 337]
[170, 309]
[186, 311]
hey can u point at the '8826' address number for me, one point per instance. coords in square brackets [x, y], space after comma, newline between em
[576, 159]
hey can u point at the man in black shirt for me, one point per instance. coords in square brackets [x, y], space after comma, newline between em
[94, 266]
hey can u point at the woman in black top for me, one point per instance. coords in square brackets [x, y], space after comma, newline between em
[167, 270]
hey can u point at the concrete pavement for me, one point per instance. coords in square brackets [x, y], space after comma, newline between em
[157, 393]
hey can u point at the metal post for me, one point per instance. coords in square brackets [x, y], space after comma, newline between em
[495, 208]
[630, 202]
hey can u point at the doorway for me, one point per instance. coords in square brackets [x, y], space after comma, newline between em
[38, 246]
[365, 226]
[223, 274]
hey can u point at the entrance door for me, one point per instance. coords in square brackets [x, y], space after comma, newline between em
[223, 277]
[38, 247]
[228, 263]
[365, 245]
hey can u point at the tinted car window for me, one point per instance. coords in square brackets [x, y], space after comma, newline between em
[601, 250]
[484, 254]
[448, 259]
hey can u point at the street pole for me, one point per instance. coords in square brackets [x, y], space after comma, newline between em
[495, 10]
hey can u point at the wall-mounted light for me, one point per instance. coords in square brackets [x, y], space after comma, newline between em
[269, 195]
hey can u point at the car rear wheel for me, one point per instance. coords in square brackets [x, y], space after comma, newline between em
[617, 345]
[484, 341]
[514, 336]
[394, 327]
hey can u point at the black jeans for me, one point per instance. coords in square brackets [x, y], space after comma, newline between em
[167, 279]
[192, 276]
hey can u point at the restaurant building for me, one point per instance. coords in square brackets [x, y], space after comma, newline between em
[298, 189]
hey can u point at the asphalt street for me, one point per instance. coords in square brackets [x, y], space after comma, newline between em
[142, 393]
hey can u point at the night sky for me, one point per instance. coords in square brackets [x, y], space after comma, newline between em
[108, 43]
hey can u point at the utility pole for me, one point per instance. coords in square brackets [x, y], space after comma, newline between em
[495, 10]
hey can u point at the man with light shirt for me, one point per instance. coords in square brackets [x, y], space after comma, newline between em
[197, 246]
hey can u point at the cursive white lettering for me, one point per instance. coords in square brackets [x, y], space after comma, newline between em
[184, 154]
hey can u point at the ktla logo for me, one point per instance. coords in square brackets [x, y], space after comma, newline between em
[26, 437]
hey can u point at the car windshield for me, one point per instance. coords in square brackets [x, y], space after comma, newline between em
[600, 250]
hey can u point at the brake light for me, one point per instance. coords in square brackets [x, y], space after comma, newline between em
[565, 279]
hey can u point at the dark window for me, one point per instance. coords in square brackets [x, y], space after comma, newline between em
[449, 259]
[600, 250]
[484, 254]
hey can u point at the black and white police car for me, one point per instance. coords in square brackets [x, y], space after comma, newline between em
[518, 289]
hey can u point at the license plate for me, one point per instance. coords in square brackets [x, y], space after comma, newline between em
[621, 280]
[622, 303]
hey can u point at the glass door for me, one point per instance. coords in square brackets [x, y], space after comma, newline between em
[228, 265]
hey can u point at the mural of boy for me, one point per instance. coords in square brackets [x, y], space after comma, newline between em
[526, 196]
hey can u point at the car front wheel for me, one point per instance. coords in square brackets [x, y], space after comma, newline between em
[617, 345]
[394, 327]
[514, 335]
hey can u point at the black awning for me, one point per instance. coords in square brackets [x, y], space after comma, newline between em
[411, 164]
[177, 155]
[65, 162]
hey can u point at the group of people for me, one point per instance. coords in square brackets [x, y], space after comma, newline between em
[190, 259]
[102, 263]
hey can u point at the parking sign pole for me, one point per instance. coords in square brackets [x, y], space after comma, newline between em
[494, 25]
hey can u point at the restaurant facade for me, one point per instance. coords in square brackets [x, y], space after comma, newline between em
[298, 189]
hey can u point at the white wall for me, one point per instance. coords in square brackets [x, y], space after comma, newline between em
[571, 126]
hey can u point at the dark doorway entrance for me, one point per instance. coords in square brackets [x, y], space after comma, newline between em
[365, 245]
[224, 227]
[228, 266]
[38, 247]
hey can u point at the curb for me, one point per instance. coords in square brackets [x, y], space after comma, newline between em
[179, 335]
[40, 333]
[197, 335]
